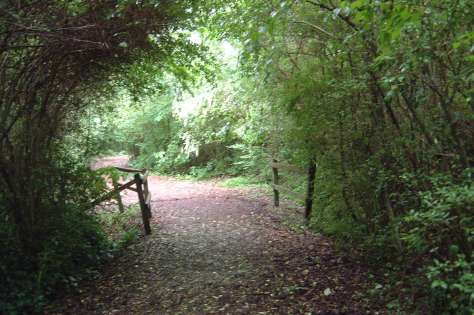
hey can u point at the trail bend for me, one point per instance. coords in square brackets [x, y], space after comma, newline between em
[218, 250]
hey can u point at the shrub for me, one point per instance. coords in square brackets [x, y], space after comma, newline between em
[68, 244]
[440, 237]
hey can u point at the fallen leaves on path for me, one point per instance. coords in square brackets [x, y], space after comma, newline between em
[217, 250]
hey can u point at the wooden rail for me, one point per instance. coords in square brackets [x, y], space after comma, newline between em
[140, 181]
[278, 189]
[288, 191]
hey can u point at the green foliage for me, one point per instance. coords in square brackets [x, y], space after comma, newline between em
[147, 128]
[241, 182]
[173, 132]
[61, 62]
[452, 284]
[68, 248]
[227, 132]
[380, 92]
[440, 233]
[445, 213]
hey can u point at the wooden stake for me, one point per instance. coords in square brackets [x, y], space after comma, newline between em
[146, 192]
[276, 193]
[143, 206]
[310, 192]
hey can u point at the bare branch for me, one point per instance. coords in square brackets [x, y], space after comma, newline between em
[316, 27]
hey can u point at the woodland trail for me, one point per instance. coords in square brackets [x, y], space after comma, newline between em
[218, 250]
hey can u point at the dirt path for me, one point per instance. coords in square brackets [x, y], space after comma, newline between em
[217, 250]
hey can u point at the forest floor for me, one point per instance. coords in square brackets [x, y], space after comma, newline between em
[217, 250]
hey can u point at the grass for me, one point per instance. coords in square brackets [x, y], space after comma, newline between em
[242, 182]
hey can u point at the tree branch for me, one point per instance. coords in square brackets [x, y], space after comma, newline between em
[331, 9]
[315, 27]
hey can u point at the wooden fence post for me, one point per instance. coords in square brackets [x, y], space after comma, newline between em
[143, 206]
[118, 197]
[310, 192]
[276, 193]
[146, 193]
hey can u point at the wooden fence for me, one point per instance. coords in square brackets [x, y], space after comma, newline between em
[138, 184]
[279, 189]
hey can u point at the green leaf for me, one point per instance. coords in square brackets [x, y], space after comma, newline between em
[439, 284]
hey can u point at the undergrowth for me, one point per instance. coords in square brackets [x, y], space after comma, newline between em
[122, 228]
